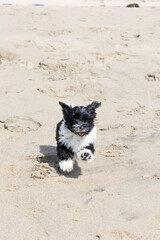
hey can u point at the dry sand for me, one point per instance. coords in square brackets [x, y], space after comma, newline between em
[78, 55]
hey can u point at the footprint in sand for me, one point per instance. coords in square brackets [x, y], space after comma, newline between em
[59, 70]
[133, 111]
[153, 77]
[120, 129]
[84, 87]
[59, 32]
[92, 194]
[154, 176]
[47, 90]
[123, 130]
[122, 235]
[98, 29]
[1, 125]
[6, 55]
[157, 112]
[35, 212]
[157, 117]
[43, 170]
[54, 92]
[113, 151]
[21, 124]
[125, 36]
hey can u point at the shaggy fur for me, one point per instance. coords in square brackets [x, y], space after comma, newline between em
[76, 134]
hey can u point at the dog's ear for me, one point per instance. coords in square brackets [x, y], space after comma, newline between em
[65, 108]
[94, 105]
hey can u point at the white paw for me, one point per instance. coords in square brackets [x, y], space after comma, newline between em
[66, 165]
[86, 155]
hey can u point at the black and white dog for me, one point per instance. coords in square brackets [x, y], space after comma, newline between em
[76, 134]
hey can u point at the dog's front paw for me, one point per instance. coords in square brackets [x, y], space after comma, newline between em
[66, 165]
[86, 155]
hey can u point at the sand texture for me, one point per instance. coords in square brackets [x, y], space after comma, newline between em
[77, 55]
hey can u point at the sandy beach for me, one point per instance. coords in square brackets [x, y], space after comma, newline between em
[78, 55]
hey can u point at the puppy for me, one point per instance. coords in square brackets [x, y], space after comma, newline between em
[76, 134]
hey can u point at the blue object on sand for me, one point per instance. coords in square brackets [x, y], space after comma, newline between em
[38, 4]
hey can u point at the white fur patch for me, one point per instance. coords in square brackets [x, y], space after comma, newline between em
[66, 165]
[85, 154]
[71, 105]
[73, 141]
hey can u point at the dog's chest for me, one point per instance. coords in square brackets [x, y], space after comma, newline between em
[73, 141]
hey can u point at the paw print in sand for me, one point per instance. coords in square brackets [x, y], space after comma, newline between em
[21, 124]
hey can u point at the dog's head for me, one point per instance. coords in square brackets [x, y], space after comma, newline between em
[79, 119]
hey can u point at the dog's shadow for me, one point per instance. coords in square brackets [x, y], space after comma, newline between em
[50, 157]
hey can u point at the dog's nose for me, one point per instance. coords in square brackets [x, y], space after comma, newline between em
[83, 126]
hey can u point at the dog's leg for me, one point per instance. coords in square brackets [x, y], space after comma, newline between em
[65, 156]
[86, 153]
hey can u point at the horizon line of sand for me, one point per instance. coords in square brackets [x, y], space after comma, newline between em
[81, 3]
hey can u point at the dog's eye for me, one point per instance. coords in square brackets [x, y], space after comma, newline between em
[76, 116]
[87, 118]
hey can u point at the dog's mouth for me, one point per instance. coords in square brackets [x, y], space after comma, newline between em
[81, 134]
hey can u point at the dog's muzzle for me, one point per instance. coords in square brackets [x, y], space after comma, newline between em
[81, 133]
